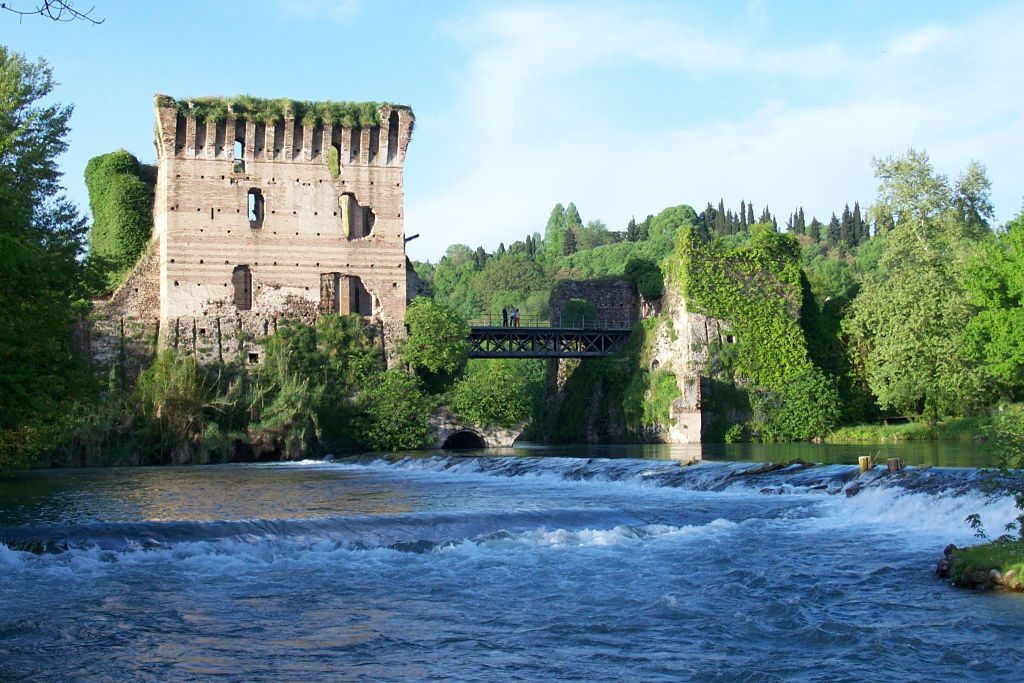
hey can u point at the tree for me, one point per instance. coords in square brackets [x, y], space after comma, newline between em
[41, 237]
[972, 198]
[632, 232]
[438, 338]
[833, 230]
[994, 280]
[721, 224]
[569, 242]
[846, 231]
[814, 229]
[394, 413]
[743, 215]
[906, 323]
[860, 228]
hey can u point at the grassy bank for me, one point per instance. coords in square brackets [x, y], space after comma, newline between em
[1000, 563]
[948, 429]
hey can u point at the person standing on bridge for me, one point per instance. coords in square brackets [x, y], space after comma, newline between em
[504, 316]
[515, 317]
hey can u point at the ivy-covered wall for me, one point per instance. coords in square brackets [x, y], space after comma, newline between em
[122, 209]
[755, 286]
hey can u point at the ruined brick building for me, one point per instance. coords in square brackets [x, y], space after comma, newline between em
[255, 221]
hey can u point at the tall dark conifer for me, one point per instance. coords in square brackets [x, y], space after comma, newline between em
[743, 215]
[846, 229]
[750, 214]
[832, 234]
[721, 226]
[632, 232]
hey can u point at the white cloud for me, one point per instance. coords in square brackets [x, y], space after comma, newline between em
[965, 103]
[919, 41]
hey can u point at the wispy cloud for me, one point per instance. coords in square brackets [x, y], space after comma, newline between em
[963, 102]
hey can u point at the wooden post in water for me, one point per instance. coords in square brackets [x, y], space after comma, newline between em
[866, 462]
[894, 465]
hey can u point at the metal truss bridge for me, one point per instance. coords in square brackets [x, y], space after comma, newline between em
[548, 339]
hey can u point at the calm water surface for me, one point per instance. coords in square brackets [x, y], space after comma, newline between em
[614, 563]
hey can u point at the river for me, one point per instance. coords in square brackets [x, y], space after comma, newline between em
[554, 564]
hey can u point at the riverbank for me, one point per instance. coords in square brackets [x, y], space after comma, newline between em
[973, 428]
[986, 566]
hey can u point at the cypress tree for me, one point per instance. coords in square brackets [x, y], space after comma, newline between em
[750, 214]
[859, 227]
[632, 232]
[569, 245]
[766, 217]
[832, 235]
[644, 229]
[743, 215]
[721, 227]
[846, 231]
[801, 226]
[814, 229]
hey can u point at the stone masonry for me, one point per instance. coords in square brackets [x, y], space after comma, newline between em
[251, 226]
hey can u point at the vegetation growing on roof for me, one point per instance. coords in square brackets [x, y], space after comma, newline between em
[270, 110]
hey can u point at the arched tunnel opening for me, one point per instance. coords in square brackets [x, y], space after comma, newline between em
[464, 439]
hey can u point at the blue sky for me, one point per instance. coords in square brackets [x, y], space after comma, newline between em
[624, 108]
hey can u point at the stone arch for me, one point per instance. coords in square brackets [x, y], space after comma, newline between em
[464, 439]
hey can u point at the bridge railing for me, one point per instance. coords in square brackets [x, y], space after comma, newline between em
[599, 322]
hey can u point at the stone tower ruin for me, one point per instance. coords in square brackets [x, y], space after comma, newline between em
[260, 217]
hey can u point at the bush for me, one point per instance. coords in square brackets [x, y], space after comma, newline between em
[646, 278]
[497, 391]
[438, 338]
[394, 413]
[806, 408]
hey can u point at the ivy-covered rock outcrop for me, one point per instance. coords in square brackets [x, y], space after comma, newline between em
[754, 285]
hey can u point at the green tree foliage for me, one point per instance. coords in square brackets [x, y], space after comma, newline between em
[122, 212]
[971, 199]
[438, 338]
[41, 278]
[394, 412]
[646, 277]
[804, 408]
[994, 281]
[498, 392]
[906, 322]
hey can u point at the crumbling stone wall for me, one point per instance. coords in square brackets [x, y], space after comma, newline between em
[615, 299]
[303, 223]
[250, 221]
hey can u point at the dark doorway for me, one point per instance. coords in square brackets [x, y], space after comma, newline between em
[464, 439]
[241, 280]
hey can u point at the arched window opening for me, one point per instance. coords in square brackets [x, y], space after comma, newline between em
[392, 136]
[355, 137]
[241, 280]
[374, 143]
[239, 162]
[255, 208]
